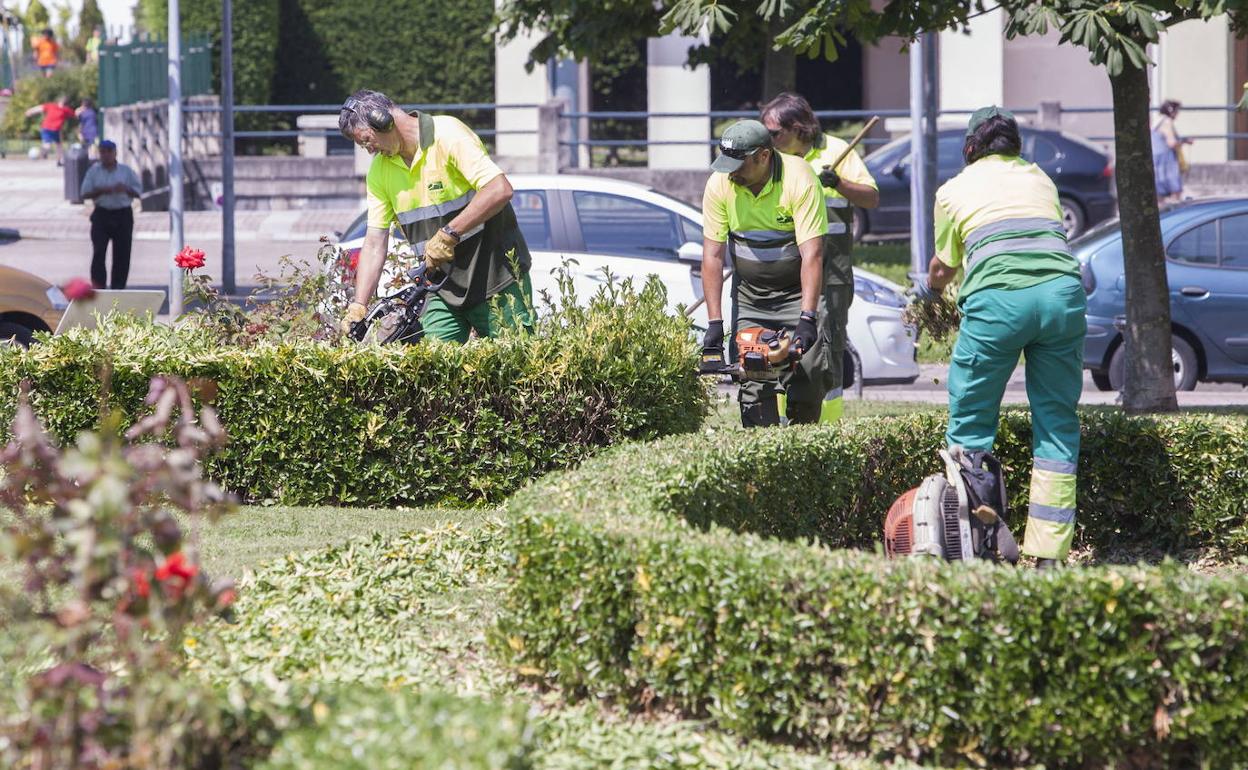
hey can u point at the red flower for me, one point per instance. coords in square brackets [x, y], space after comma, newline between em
[78, 288]
[138, 579]
[189, 258]
[176, 573]
[226, 598]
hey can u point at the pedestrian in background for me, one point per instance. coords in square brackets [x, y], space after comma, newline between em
[1167, 154]
[112, 186]
[93, 45]
[88, 125]
[54, 116]
[47, 52]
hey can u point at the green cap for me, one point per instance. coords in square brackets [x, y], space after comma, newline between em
[984, 113]
[741, 140]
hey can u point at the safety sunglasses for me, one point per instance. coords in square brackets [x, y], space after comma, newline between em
[738, 154]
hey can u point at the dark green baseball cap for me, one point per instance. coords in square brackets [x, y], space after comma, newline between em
[978, 117]
[740, 141]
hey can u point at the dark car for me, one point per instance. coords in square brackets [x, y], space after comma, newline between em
[1206, 246]
[1083, 174]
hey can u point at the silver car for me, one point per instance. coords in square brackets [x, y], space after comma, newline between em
[597, 224]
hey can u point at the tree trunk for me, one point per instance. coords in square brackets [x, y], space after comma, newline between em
[779, 67]
[1149, 382]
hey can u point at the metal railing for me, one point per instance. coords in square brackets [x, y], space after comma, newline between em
[139, 71]
[333, 109]
[576, 133]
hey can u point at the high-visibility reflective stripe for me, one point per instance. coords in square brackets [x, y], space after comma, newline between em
[436, 210]
[758, 254]
[837, 203]
[833, 394]
[1047, 539]
[764, 237]
[831, 409]
[1049, 243]
[1052, 488]
[1058, 466]
[1051, 513]
[837, 228]
[1016, 225]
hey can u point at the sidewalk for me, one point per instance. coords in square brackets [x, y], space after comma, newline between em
[33, 204]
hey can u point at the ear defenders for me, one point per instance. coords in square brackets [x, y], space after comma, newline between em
[379, 119]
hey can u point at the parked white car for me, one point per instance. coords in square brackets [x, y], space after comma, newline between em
[596, 223]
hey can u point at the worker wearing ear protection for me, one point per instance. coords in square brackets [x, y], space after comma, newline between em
[432, 176]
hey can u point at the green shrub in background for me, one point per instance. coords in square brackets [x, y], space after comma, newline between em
[310, 423]
[75, 82]
[628, 584]
[256, 26]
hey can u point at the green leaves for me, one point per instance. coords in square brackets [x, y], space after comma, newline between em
[683, 575]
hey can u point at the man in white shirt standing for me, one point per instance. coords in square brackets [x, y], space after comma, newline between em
[112, 186]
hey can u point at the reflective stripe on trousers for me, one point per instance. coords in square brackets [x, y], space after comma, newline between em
[1051, 511]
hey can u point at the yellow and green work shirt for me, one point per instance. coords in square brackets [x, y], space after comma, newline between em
[447, 170]
[763, 232]
[837, 265]
[1001, 219]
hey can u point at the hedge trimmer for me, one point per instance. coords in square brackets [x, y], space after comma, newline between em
[400, 312]
[762, 354]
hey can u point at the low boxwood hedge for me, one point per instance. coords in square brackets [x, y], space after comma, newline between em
[629, 583]
[312, 423]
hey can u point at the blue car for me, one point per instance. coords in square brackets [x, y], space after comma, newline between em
[1206, 245]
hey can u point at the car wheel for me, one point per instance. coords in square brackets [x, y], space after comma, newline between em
[12, 333]
[1073, 218]
[1101, 381]
[858, 226]
[1181, 354]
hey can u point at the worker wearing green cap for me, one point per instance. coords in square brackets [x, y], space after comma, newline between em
[1000, 221]
[764, 210]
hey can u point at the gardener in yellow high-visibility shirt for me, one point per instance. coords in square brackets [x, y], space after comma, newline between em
[795, 130]
[765, 210]
[1000, 220]
[431, 174]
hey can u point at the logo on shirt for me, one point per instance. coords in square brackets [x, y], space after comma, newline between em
[435, 186]
[784, 219]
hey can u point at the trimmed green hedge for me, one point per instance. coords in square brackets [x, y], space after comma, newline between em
[310, 423]
[628, 584]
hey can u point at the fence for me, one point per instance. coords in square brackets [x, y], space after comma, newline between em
[575, 133]
[139, 71]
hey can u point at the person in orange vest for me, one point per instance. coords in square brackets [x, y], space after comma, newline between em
[47, 52]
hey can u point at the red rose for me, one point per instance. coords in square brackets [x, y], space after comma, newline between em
[78, 288]
[189, 259]
[176, 573]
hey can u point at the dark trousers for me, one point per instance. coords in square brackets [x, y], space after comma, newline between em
[116, 225]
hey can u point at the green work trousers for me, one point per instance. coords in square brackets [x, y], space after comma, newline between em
[510, 308]
[811, 392]
[1047, 324]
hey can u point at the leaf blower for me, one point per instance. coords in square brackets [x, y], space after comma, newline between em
[958, 516]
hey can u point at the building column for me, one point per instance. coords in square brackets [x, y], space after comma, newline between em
[1195, 67]
[972, 67]
[514, 86]
[673, 87]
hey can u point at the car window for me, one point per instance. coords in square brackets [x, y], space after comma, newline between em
[1198, 245]
[692, 231]
[1043, 151]
[534, 218]
[356, 228]
[1235, 242]
[613, 224]
[949, 153]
